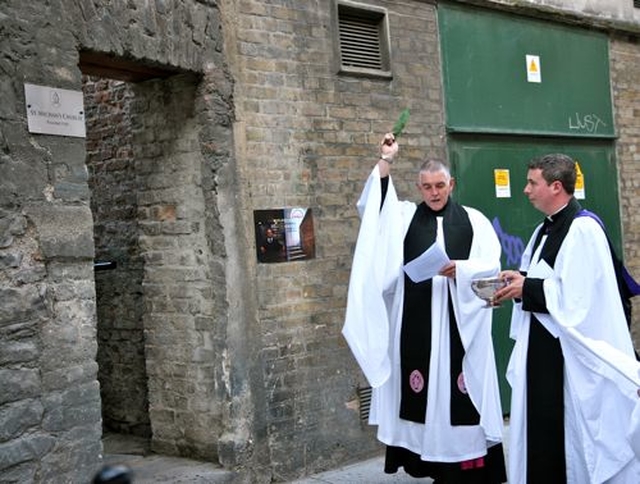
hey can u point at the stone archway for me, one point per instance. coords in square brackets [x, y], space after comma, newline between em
[156, 329]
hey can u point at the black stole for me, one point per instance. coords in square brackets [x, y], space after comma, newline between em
[415, 335]
[545, 367]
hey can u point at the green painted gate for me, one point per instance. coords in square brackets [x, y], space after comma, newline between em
[516, 88]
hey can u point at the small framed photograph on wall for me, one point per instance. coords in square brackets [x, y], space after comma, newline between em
[284, 235]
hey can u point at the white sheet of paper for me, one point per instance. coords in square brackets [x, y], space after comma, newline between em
[427, 264]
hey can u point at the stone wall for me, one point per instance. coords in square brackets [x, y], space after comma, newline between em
[49, 397]
[50, 405]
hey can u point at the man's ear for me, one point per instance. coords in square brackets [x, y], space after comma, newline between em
[452, 183]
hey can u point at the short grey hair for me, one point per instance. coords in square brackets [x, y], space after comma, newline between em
[434, 166]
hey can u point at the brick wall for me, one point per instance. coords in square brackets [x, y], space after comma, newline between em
[308, 137]
[625, 72]
[182, 332]
[119, 304]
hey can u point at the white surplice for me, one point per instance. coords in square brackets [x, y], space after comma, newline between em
[372, 330]
[601, 373]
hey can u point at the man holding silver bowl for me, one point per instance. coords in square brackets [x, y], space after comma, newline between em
[418, 330]
[573, 369]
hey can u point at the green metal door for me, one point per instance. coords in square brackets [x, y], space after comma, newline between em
[508, 74]
[516, 88]
[474, 162]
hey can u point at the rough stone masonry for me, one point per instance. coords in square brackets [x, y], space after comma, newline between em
[50, 403]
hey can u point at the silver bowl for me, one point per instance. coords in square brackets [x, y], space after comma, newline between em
[486, 288]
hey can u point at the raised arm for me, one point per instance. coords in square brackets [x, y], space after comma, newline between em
[388, 151]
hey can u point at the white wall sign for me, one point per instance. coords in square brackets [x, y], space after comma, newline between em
[51, 110]
[534, 73]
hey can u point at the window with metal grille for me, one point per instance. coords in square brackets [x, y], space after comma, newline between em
[363, 39]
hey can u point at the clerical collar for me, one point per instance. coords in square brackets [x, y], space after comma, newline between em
[550, 218]
[437, 213]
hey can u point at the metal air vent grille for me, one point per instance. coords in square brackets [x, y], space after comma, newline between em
[364, 398]
[360, 42]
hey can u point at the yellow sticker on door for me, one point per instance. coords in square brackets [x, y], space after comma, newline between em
[502, 182]
[579, 191]
[534, 73]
